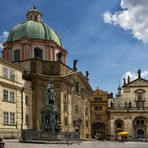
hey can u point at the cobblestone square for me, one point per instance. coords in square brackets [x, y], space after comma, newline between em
[88, 144]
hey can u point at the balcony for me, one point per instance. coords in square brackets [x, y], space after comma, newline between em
[130, 109]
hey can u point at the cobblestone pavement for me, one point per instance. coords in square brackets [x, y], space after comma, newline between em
[88, 144]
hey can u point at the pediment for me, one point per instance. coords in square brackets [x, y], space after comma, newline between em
[138, 82]
[80, 78]
[99, 92]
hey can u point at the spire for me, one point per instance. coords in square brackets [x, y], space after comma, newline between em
[119, 90]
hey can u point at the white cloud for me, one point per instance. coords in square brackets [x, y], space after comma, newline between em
[133, 76]
[3, 37]
[133, 17]
[1, 45]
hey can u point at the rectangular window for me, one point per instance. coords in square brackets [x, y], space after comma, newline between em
[12, 96]
[12, 75]
[98, 99]
[65, 120]
[96, 107]
[6, 118]
[5, 72]
[27, 119]
[100, 107]
[26, 100]
[12, 118]
[9, 118]
[5, 94]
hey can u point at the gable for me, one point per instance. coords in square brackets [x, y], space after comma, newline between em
[99, 92]
[80, 78]
[138, 82]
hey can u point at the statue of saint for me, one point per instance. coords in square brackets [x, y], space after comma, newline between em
[59, 56]
[139, 73]
[87, 74]
[50, 94]
[124, 81]
[128, 79]
[75, 64]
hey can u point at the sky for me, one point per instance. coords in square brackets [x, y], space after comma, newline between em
[108, 37]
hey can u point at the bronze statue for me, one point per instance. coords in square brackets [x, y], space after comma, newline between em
[124, 81]
[128, 79]
[50, 116]
[75, 64]
[59, 56]
[139, 73]
[50, 94]
[87, 74]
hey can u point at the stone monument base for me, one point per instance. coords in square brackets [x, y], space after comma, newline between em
[28, 135]
[42, 136]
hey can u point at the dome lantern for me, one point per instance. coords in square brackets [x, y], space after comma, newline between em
[34, 15]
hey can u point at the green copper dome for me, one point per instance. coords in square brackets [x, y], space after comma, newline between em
[33, 30]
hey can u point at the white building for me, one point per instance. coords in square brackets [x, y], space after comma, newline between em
[129, 110]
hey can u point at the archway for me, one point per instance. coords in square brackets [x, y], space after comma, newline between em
[119, 126]
[140, 127]
[98, 130]
[140, 133]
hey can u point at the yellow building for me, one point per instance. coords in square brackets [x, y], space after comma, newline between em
[15, 100]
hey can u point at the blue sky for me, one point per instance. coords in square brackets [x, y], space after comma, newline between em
[106, 50]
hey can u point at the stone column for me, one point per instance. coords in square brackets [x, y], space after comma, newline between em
[70, 123]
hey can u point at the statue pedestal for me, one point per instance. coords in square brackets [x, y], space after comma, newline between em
[31, 135]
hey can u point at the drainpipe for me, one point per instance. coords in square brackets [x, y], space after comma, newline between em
[22, 90]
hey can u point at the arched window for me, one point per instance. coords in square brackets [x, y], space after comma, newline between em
[17, 55]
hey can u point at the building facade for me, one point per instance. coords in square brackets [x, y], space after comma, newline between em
[129, 110]
[39, 50]
[99, 114]
[15, 100]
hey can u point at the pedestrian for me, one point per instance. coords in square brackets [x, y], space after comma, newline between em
[2, 143]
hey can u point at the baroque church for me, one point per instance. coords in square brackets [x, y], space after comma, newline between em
[128, 111]
[37, 55]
